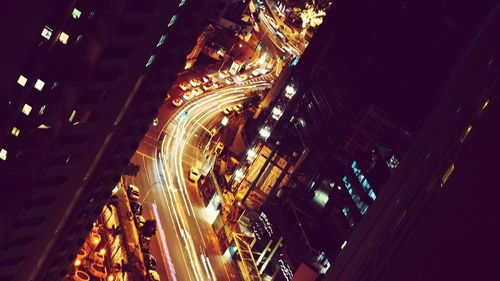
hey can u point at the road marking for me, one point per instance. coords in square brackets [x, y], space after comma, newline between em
[145, 155]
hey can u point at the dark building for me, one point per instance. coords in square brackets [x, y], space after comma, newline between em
[81, 81]
[355, 102]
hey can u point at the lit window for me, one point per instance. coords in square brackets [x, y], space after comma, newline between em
[22, 80]
[15, 131]
[39, 84]
[172, 21]
[47, 32]
[150, 60]
[161, 41]
[182, 3]
[26, 109]
[42, 110]
[63, 38]
[3, 154]
[76, 13]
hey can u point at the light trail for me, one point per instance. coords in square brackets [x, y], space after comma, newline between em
[174, 149]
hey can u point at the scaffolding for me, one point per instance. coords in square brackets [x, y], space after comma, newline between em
[247, 267]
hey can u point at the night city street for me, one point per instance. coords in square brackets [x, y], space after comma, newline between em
[259, 140]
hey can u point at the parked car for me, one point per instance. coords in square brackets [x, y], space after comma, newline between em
[139, 221]
[194, 174]
[197, 91]
[218, 85]
[256, 72]
[241, 77]
[153, 275]
[227, 111]
[219, 147]
[195, 82]
[206, 79]
[136, 208]
[207, 86]
[229, 81]
[238, 107]
[177, 102]
[185, 86]
[133, 192]
[149, 262]
[149, 228]
[224, 74]
[188, 95]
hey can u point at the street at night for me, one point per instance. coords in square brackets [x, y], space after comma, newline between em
[259, 140]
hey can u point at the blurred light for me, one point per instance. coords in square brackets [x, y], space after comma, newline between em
[239, 204]
[102, 251]
[343, 245]
[22, 80]
[265, 133]
[95, 240]
[224, 121]
[111, 278]
[220, 52]
[77, 262]
[240, 45]
[485, 104]
[115, 190]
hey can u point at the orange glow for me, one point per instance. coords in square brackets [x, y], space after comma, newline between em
[95, 241]
[102, 251]
[111, 278]
[77, 262]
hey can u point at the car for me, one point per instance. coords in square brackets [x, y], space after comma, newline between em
[224, 74]
[219, 147]
[207, 86]
[133, 192]
[206, 79]
[241, 77]
[177, 102]
[188, 95]
[265, 70]
[227, 111]
[238, 107]
[153, 275]
[218, 85]
[194, 174]
[197, 91]
[148, 229]
[195, 82]
[256, 72]
[139, 221]
[145, 241]
[184, 86]
[136, 208]
[149, 262]
[229, 81]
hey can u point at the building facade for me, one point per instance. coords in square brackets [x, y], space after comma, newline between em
[81, 83]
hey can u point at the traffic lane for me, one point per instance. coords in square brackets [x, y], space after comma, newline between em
[142, 180]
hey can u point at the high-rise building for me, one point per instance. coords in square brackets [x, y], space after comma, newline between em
[81, 81]
[351, 108]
